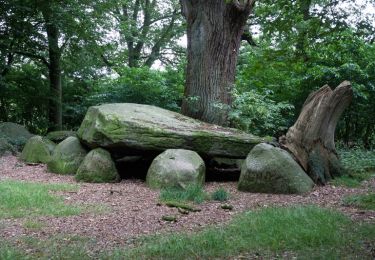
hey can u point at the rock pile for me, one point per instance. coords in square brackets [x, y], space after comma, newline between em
[175, 146]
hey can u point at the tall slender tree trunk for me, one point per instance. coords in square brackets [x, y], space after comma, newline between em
[214, 29]
[4, 72]
[55, 102]
[54, 70]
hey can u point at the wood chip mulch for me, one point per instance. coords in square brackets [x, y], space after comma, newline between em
[132, 210]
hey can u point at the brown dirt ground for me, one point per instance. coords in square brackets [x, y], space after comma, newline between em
[132, 209]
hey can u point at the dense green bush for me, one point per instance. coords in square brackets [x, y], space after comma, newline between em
[24, 96]
[279, 74]
[259, 114]
[142, 86]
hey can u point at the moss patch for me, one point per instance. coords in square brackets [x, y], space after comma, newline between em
[37, 150]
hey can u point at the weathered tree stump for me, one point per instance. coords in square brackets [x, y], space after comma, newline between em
[311, 138]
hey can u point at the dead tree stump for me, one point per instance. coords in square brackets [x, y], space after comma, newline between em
[311, 138]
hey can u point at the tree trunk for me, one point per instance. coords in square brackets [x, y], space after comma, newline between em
[214, 30]
[55, 101]
[311, 138]
[54, 70]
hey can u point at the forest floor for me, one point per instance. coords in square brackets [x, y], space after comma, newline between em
[128, 210]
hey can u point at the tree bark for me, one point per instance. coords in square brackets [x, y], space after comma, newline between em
[54, 70]
[214, 30]
[311, 138]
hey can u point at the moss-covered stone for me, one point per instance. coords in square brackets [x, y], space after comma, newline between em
[38, 150]
[16, 135]
[67, 156]
[97, 166]
[133, 127]
[6, 148]
[59, 136]
[176, 168]
[269, 169]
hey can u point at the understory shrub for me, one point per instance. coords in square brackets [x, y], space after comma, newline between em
[363, 201]
[359, 166]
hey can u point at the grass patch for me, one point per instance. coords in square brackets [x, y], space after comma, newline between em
[193, 193]
[57, 247]
[23, 199]
[347, 181]
[220, 194]
[33, 224]
[309, 232]
[363, 201]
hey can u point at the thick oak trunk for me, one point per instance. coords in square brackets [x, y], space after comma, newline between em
[214, 30]
[311, 138]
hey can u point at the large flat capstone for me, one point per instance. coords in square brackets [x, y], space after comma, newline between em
[133, 128]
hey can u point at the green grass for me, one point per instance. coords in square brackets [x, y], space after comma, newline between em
[60, 247]
[194, 193]
[363, 201]
[8, 252]
[57, 247]
[22, 199]
[347, 181]
[220, 194]
[308, 232]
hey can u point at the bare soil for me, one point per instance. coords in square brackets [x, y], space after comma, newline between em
[132, 208]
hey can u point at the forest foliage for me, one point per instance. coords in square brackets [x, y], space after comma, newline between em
[131, 51]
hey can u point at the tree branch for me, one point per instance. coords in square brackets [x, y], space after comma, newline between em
[110, 65]
[162, 18]
[163, 38]
[65, 43]
[246, 36]
[10, 58]
[34, 56]
[145, 28]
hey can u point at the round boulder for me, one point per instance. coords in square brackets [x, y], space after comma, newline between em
[38, 150]
[97, 166]
[269, 169]
[177, 168]
[67, 156]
